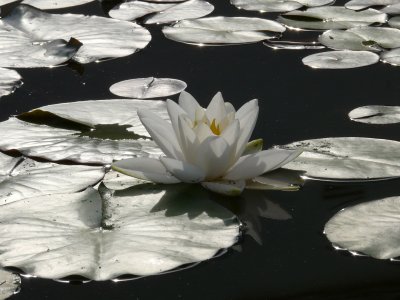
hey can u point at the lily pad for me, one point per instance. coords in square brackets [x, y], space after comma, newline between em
[383, 36]
[101, 37]
[347, 40]
[331, 17]
[376, 114]
[23, 178]
[10, 80]
[277, 5]
[134, 9]
[141, 231]
[150, 87]
[223, 30]
[10, 284]
[371, 228]
[394, 22]
[344, 59]
[55, 4]
[391, 57]
[361, 4]
[347, 158]
[393, 9]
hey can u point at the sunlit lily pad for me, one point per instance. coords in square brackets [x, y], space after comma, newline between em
[361, 4]
[344, 59]
[150, 87]
[395, 22]
[393, 9]
[141, 231]
[347, 40]
[331, 17]
[23, 178]
[376, 114]
[277, 5]
[347, 158]
[223, 30]
[10, 80]
[10, 284]
[134, 9]
[55, 4]
[371, 228]
[101, 37]
[383, 36]
[391, 57]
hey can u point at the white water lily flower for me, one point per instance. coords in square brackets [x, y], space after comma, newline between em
[204, 145]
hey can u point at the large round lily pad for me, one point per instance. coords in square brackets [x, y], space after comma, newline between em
[345, 59]
[142, 231]
[372, 228]
[347, 158]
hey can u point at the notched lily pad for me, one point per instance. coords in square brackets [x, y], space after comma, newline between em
[101, 37]
[347, 40]
[223, 30]
[347, 158]
[10, 80]
[150, 87]
[376, 114]
[23, 178]
[344, 59]
[141, 231]
[371, 228]
[331, 17]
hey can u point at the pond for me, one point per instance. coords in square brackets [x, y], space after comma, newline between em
[283, 252]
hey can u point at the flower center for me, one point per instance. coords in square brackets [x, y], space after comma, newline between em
[215, 128]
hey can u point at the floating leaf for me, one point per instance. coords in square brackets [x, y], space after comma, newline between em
[101, 37]
[361, 4]
[383, 36]
[371, 228]
[344, 59]
[55, 4]
[131, 10]
[277, 5]
[57, 144]
[118, 181]
[331, 17]
[391, 57]
[376, 114]
[289, 45]
[149, 87]
[393, 9]
[23, 178]
[10, 284]
[281, 179]
[10, 80]
[346, 40]
[141, 231]
[347, 158]
[223, 30]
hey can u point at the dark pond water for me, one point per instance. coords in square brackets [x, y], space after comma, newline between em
[295, 260]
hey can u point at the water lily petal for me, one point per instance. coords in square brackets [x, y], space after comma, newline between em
[229, 188]
[186, 137]
[216, 109]
[246, 108]
[162, 133]
[203, 131]
[145, 168]
[229, 108]
[214, 155]
[189, 104]
[184, 171]
[247, 124]
[253, 165]
[174, 110]
[231, 133]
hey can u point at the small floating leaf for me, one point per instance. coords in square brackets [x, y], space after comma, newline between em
[223, 30]
[10, 80]
[344, 59]
[376, 114]
[394, 22]
[346, 40]
[24, 178]
[150, 87]
[289, 45]
[55, 4]
[277, 5]
[131, 10]
[393, 9]
[101, 37]
[347, 158]
[331, 17]
[371, 228]
[361, 4]
[383, 36]
[191, 9]
[141, 231]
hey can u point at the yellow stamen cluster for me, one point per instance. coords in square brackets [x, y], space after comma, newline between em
[215, 128]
